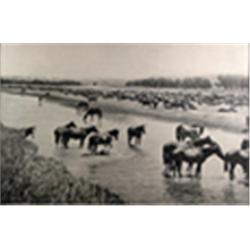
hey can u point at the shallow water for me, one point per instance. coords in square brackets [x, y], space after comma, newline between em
[135, 174]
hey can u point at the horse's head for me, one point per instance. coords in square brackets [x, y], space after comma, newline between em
[114, 133]
[199, 126]
[142, 129]
[213, 149]
[30, 131]
[245, 144]
[71, 125]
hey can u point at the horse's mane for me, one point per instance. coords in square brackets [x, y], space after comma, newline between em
[70, 124]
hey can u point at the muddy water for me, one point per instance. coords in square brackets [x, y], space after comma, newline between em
[135, 174]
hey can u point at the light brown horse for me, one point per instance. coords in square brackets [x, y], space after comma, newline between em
[193, 132]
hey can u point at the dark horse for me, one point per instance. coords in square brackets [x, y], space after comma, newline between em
[198, 153]
[82, 105]
[135, 132]
[58, 132]
[193, 132]
[104, 139]
[77, 134]
[29, 131]
[234, 158]
[93, 112]
[245, 144]
[172, 148]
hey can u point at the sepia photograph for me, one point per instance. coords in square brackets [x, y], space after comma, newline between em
[124, 124]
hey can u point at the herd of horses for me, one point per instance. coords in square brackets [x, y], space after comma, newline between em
[96, 138]
[192, 148]
[152, 99]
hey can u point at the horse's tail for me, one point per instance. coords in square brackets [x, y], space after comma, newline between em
[85, 117]
[202, 128]
[178, 133]
[57, 136]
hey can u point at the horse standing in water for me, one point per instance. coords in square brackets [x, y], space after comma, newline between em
[238, 157]
[29, 131]
[77, 134]
[58, 132]
[197, 152]
[234, 158]
[135, 133]
[41, 97]
[104, 139]
[92, 112]
[186, 131]
[82, 106]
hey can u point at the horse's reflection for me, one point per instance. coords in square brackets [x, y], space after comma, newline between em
[229, 194]
[185, 191]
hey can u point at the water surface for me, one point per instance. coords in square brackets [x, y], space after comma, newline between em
[135, 174]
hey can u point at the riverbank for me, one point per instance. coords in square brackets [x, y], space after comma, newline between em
[28, 178]
[232, 122]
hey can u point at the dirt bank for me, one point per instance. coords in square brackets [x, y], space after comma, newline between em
[28, 178]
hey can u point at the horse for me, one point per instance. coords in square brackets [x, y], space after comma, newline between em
[169, 149]
[82, 105]
[60, 130]
[245, 144]
[227, 109]
[77, 134]
[93, 112]
[104, 139]
[193, 132]
[135, 132]
[29, 131]
[174, 157]
[234, 158]
[41, 97]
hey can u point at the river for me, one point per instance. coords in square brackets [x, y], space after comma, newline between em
[135, 174]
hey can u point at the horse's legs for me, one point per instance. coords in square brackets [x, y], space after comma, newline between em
[129, 141]
[166, 171]
[189, 169]
[81, 143]
[179, 167]
[231, 171]
[94, 149]
[198, 170]
[65, 142]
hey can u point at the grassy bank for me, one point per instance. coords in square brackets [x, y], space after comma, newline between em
[28, 178]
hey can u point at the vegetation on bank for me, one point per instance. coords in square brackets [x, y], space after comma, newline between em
[28, 178]
[223, 81]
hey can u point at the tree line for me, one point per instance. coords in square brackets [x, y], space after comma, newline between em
[224, 81]
[38, 82]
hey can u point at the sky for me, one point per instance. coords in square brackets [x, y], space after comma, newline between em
[122, 61]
